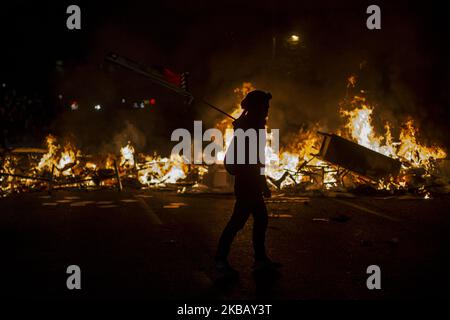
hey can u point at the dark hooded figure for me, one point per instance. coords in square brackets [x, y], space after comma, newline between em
[250, 183]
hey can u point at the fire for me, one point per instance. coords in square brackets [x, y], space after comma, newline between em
[55, 158]
[351, 81]
[359, 125]
[295, 164]
[408, 149]
[47, 160]
[301, 149]
[127, 156]
[160, 170]
[153, 169]
[109, 162]
[226, 125]
[240, 93]
[415, 153]
[304, 144]
[67, 159]
[6, 182]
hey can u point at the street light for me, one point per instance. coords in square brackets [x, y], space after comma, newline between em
[294, 39]
[292, 42]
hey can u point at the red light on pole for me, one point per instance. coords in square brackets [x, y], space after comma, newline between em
[152, 101]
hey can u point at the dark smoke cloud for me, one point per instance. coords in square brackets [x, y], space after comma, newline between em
[406, 70]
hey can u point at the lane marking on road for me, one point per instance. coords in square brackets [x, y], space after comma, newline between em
[153, 217]
[81, 203]
[129, 200]
[175, 205]
[102, 203]
[108, 206]
[351, 204]
[72, 198]
[279, 215]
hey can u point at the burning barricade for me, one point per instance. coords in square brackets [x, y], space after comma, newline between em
[312, 162]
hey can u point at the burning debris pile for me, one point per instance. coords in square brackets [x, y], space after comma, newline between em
[25, 169]
[359, 158]
[356, 157]
[56, 166]
[419, 165]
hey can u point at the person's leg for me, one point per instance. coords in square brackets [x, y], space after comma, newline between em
[260, 221]
[237, 221]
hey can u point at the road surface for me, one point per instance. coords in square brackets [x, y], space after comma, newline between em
[159, 245]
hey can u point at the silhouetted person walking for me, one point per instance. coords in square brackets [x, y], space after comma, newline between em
[250, 184]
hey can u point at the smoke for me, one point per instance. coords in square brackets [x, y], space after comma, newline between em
[394, 67]
[222, 49]
[302, 93]
[128, 134]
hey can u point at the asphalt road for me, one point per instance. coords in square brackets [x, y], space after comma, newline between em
[159, 245]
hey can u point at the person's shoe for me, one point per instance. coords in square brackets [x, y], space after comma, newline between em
[224, 267]
[266, 264]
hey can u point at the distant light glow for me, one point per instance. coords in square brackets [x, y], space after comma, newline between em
[98, 107]
[74, 105]
[294, 38]
[152, 101]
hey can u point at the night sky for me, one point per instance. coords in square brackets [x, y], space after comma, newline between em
[405, 64]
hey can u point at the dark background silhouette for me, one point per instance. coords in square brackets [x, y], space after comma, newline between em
[406, 66]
